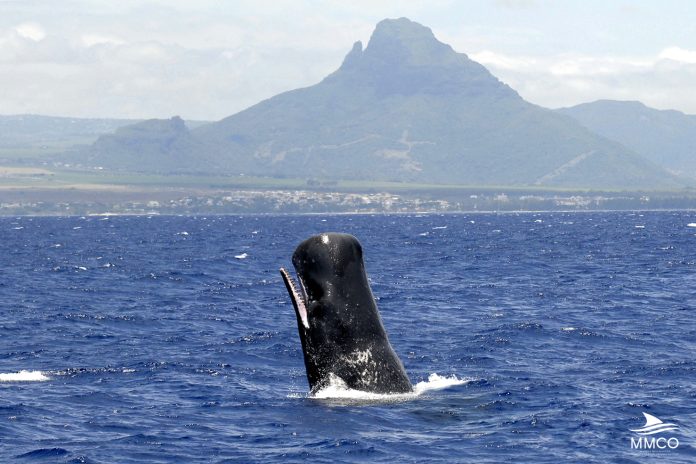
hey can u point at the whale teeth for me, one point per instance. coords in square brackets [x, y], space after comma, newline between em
[298, 300]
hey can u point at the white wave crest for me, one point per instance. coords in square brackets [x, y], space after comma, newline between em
[438, 382]
[337, 389]
[24, 376]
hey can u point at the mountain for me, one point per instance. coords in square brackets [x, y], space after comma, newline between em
[408, 108]
[667, 138]
[155, 146]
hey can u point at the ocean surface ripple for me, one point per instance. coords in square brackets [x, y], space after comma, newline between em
[533, 338]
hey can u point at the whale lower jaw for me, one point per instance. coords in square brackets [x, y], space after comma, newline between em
[297, 297]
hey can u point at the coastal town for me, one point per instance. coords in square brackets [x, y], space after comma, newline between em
[174, 201]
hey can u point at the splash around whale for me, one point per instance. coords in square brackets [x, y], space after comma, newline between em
[341, 331]
[338, 392]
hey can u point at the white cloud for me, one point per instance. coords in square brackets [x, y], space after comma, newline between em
[664, 80]
[90, 40]
[499, 61]
[516, 3]
[679, 54]
[105, 78]
[31, 30]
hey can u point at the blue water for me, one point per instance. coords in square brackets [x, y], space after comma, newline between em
[161, 346]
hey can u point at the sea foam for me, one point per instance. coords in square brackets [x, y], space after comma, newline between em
[24, 376]
[337, 389]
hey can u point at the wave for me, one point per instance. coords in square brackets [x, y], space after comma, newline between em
[24, 376]
[337, 389]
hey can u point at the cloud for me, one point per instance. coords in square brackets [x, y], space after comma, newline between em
[516, 4]
[500, 61]
[679, 54]
[664, 80]
[89, 40]
[31, 30]
[102, 76]
[156, 59]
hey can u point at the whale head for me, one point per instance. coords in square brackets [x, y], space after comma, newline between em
[340, 328]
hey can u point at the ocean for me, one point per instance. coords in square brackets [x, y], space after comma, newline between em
[532, 337]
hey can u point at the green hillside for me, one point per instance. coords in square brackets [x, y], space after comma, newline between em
[665, 137]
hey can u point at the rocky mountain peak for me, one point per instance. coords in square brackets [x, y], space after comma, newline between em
[404, 57]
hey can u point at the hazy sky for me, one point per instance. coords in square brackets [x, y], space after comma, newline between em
[207, 59]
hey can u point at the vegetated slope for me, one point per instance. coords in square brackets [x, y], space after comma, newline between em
[665, 137]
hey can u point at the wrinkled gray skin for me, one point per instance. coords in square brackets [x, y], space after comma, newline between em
[340, 328]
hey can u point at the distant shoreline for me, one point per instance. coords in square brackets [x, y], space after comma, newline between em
[83, 193]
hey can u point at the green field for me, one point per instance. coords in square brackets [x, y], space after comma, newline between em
[103, 179]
